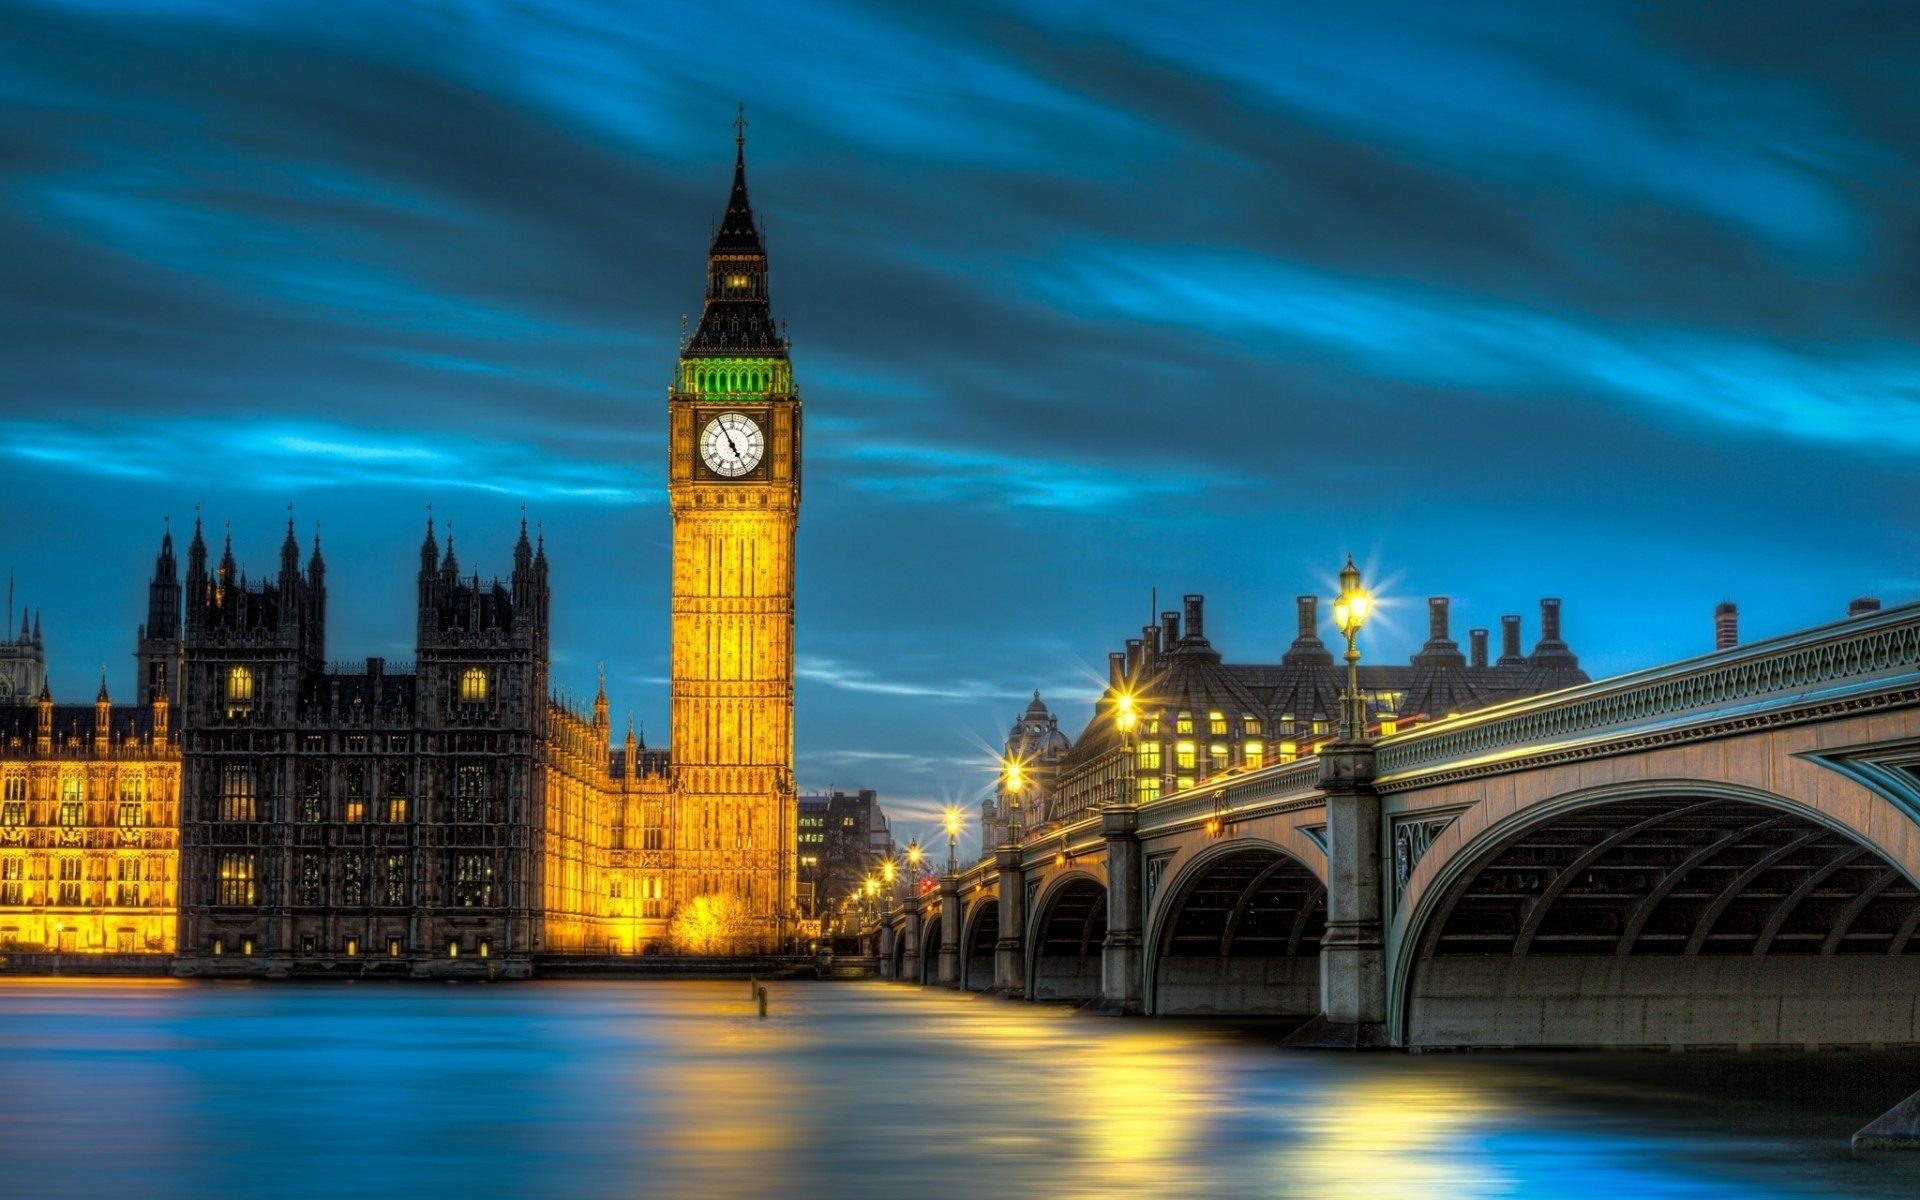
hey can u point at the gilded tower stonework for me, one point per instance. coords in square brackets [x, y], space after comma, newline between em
[734, 489]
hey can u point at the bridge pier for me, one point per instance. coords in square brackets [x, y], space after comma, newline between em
[887, 936]
[1353, 968]
[913, 933]
[1009, 956]
[949, 931]
[1120, 962]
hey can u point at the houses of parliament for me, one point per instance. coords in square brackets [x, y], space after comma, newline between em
[258, 809]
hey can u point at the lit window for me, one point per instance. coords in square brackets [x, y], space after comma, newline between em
[73, 811]
[353, 947]
[739, 282]
[393, 947]
[236, 880]
[396, 795]
[310, 879]
[486, 947]
[69, 881]
[1153, 724]
[1289, 751]
[12, 871]
[353, 880]
[453, 948]
[470, 792]
[1182, 783]
[239, 692]
[1319, 725]
[356, 811]
[13, 813]
[1250, 725]
[1183, 723]
[1150, 757]
[1217, 723]
[1388, 724]
[1183, 755]
[1286, 722]
[472, 880]
[236, 793]
[1217, 756]
[219, 945]
[473, 686]
[126, 892]
[396, 880]
[1255, 754]
[1149, 788]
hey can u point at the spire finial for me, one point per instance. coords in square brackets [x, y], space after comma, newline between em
[740, 133]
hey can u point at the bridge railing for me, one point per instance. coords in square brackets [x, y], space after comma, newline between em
[1860, 651]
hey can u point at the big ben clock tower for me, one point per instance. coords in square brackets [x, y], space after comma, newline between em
[734, 486]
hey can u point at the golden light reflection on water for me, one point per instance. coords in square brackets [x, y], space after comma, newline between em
[1409, 1138]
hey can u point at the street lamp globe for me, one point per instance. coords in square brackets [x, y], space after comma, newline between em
[1350, 611]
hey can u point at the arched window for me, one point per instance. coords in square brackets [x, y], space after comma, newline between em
[239, 691]
[473, 686]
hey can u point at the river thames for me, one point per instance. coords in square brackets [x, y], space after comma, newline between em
[678, 1089]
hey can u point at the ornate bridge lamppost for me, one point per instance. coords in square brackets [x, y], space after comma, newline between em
[1015, 778]
[1353, 983]
[952, 819]
[1008, 959]
[1350, 610]
[1120, 966]
[949, 965]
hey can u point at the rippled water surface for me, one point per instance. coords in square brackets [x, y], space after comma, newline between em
[658, 1089]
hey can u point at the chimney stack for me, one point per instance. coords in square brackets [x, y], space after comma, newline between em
[1116, 668]
[1195, 629]
[1510, 655]
[1549, 620]
[1437, 618]
[1863, 606]
[1726, 625]
[1169, 630]
[1478, 640]
[1308, 609]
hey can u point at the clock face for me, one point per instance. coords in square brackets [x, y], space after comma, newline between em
[732, 444]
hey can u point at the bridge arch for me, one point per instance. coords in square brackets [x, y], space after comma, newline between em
[978, 936]
[1064, 945]
[929, 946]
[1662, 913]
[1237, 932]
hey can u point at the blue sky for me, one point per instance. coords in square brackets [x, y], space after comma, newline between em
[1610, 302]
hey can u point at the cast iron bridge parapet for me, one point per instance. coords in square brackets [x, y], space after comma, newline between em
[1815, 665]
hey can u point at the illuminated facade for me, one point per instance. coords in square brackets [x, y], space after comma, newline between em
[734, 486]
[1202, 718]
[88, 837]
[443, 818]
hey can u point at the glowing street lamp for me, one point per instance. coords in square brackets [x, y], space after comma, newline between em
[889, 872]
[1349, 613]
[1126, 715]
[953, 840]
[1015, 779]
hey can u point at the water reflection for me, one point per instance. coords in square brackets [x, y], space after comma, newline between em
[858, 1090]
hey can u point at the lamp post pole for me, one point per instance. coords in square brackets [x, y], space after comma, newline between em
[949, 964]
[1121, 975]
[1009, 967]
[1353, 990]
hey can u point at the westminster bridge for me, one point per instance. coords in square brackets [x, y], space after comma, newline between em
[1721, 852]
